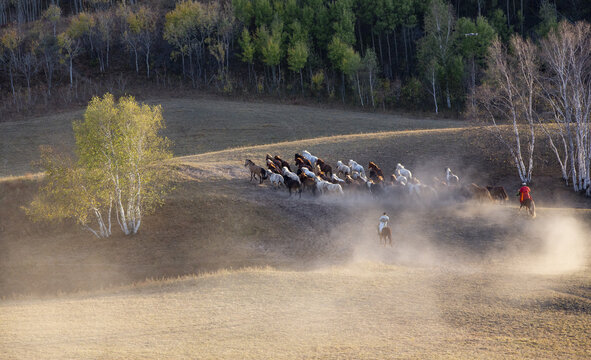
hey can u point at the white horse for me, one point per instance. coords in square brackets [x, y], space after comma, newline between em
[450, 178]
[325, 187]
[356, 175]
[356, 167]
[337, 179]
[291, 175]
[343, 169]
[402, 171]
[310, 157]
[400, 179]
[276, 179]
[308, 173]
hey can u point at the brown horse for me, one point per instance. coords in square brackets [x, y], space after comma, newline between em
[375, 173]
[498, 193]
[283, 162]
[530, 206]
[301, 162]
[293, 186]
[276, 162]
[273, 167]
[255, 171]
[480, 193]
[307, 183]
[324, 167]
[386, 236]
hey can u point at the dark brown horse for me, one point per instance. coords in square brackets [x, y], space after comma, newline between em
[375, 173]
[479, 193]
[498, 193]
[530, 206]
[301, 162]
[306, 162]
[273, 167]
[293, 186]
[324, 167]
[386, 236]
[283, 162]
[277, 163]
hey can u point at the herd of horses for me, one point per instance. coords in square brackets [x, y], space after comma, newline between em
[310, 173]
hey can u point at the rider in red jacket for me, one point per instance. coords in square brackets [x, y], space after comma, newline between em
[523, 193]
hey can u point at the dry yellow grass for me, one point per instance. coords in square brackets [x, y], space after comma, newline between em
[363, 311]
[462, 282]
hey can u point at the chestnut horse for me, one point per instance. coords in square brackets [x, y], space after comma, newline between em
[386, 236]
[375, 173]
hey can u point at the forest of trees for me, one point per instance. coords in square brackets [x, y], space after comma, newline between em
[413, 54]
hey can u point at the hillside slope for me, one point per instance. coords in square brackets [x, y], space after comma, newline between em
[202, 125]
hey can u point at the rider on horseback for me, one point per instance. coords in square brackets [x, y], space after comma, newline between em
[383, 222]
[523, 193]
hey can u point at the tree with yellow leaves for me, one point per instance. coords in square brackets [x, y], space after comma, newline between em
[118, 168]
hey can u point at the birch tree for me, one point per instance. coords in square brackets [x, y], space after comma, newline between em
[53, 15]
[11, 41]
[567, 91]
[248, 50]
[440, 36]
[370, 63]
[509, 96]
[118, 168]
[69, 48]
[297, 56]
[69, 191]
[140, 33]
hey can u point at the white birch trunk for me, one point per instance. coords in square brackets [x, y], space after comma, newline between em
[434, 93]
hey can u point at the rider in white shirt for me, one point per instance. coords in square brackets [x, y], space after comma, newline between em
[383, 222]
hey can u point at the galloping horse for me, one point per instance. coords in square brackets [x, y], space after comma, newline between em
[530, 206]
[386, 234]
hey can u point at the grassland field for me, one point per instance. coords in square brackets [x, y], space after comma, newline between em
[228, 269]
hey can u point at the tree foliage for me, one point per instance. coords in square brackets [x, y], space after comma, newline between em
[118, 168]
[214, 43]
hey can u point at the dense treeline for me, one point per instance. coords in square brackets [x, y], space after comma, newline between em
[373, 53]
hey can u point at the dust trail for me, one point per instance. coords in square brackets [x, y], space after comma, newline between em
[563, 243]
[466, 235]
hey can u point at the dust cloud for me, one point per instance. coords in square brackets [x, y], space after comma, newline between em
[465, 235]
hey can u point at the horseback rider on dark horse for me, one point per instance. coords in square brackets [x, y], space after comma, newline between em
[383, 230]
[526, 200]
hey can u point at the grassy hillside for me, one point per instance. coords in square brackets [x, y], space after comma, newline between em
[306, 278]
[203, 125]
[216, 219]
